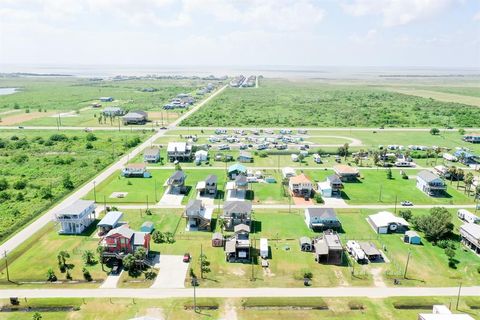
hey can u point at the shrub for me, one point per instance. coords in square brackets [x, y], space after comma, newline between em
[86, 274]
[51, 275]
[318, 198]
[3, 184]
[91, 137]
[58, 137]
[406, 214]
[434, 131]
[150, 275]
[88, 146]
[19, 185]
[158, 237]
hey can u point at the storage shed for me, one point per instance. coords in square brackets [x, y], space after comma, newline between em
[147, 227]
[217, 239]
[412, 237]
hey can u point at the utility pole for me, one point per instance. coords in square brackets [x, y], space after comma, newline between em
[155, 184]
[118, 123]
[395, 204]
[201, 261]
[251, 260]
[458, 296]
[6, 266]
[147, 201]
[406, 265]
[194, 284]
[94, 192]
[380, 194]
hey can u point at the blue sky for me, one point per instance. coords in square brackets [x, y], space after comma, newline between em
[439, 33]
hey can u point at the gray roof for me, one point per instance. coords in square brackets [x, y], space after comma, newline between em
[324, 213]
[472, 228]
[427, 176]
[369, 248]
[321, 247]
[177, 175]
[241, 179]
[138, 238]
[211, 179]
[140, 112]
[332, 240]
[245, 154]
[151, 151]
[111, 219]
[241, 227]
[77, 207]
[334, 179]
[193, 206]
[237, 207]
[123, 230]
[230, 246]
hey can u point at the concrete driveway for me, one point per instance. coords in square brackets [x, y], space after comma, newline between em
[172, 272]
[170, 199]
[112, 281]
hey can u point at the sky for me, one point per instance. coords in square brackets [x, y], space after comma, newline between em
[432, 33]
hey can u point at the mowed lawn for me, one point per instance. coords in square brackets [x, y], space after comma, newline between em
[138, 189]
[428, 265]
[374, 187]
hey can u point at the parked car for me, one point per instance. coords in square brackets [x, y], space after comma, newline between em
[187, 257]
[224, 147]
[115, 269]
[406, 203]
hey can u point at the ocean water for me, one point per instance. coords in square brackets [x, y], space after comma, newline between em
[5, 91]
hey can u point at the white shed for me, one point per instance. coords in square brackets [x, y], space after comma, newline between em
[325, 189]
[264, 248]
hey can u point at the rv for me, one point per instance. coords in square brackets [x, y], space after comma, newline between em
[355, 251]
[467, 216]
[264, 248]
[450, 157]
[294, 157]
[404, 164]
[317, 158]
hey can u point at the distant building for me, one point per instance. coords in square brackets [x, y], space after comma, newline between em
[472, 137]
[470, 233]
[328, 248]
[106, 99]
[441, 312]
[346, 173]
[135, 117]
[300, 186]
[235, 213]
[113, 111]
[386, 222]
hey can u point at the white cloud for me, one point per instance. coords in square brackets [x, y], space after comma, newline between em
[476, 17]
[397, 12]
[366, 38]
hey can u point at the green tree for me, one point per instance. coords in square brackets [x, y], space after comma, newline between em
[406, 214]
[67, 182]
[436, 225]
[204, 264]
[140, 254]
[468, 182]
[434, 131]
[389, 174]
[129, 262]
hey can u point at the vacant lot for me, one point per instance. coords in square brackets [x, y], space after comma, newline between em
[439, 95]
[263, 308]
[37, 168]
[284, 103]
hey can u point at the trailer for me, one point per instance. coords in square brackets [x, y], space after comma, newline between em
[467, 216]
[264, 248]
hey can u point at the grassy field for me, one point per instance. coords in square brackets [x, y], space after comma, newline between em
[249, 308]
[28, 159]
[440, 96]
[45, 97]
[287, 103]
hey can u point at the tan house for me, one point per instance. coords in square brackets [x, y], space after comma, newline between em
[346, 173]
[300, 185]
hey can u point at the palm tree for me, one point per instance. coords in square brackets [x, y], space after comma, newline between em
[468, 182]
[452, 171]
[477, 191]
[345, 147]
[460, 173]
[437, 152]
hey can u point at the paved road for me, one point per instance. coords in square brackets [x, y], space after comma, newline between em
[294, 206]
[35, 226]
[371, 292]
[326, 129]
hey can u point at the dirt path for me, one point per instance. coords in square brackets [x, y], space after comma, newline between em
[23, 117]
[230, 312]
[377, 278]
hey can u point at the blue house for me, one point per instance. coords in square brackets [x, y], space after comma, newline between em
[235, 170]
[466, 157]
[322, 219]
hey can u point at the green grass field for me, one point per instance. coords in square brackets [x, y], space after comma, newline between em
[35, 164]
[288, 103]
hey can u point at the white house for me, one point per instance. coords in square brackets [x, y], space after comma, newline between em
[151, 155]
[75, 218]
[300, 185]
[430, 183]
[288, 172]
[179, 151]
[325, 189]
[386, 222]
[441, 312]
[467, 216]
[200, 156]
[470, 233]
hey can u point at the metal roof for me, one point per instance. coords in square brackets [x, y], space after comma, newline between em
[111, 219]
